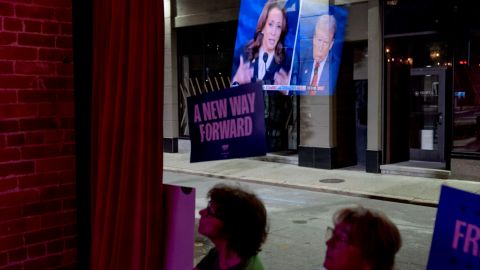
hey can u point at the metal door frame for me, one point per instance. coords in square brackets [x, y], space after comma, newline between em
[428, 155]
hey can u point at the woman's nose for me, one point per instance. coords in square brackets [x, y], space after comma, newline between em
[273, 30]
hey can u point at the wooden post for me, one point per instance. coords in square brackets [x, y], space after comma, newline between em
[210, 82]
[216, 82]
[198, 85]
[205, 87]
[223, 83]
[193, 87]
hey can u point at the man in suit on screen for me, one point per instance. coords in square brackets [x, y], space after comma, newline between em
[315, 70]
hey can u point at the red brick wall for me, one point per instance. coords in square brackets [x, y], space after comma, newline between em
[37, 145]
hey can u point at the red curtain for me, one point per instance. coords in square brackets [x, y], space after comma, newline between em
[127, 126]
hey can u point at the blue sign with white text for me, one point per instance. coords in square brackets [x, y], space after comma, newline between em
[456, 238]
[227, 124]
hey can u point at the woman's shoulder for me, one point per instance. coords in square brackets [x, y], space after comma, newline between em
[208, 261]
[254, 263]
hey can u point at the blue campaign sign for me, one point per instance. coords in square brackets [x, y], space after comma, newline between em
[227, 124]
[456, 238]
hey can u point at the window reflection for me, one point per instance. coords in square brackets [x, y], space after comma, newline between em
[204, 57]
[466, 99]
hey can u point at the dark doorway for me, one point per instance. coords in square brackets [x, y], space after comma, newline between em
[345, 108]
[361, 89]
[405, 114]
[397, 112]
[280, 122]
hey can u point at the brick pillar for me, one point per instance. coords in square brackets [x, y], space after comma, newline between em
[37, 144]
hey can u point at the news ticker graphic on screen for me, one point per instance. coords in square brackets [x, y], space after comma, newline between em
[297, 88]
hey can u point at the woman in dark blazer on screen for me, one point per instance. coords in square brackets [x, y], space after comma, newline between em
[264, 55]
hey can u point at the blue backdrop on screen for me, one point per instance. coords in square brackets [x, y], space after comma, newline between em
[227, 124]
[456, 237]
[292, 68]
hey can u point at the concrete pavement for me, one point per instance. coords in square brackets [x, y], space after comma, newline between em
[298, 220]
[405, 189]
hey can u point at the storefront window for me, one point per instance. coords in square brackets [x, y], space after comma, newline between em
[432, 34]
[466, 98]
[204, 59]
[418, 51]
[205, 51]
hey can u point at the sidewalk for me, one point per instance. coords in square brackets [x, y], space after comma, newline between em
[405, 189]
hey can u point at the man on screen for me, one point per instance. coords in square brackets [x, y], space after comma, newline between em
[315, 72]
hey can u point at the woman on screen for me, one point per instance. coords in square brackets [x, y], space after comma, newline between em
[264, 54]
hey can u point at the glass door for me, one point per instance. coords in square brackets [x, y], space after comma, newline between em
[427, 113]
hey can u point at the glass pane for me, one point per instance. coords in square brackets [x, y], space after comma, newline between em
[413, 16]
[424, 112]
[466, 98]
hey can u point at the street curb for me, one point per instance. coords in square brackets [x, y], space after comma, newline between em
[367, 195]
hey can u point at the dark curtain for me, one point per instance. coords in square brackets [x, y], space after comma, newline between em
[127, 126]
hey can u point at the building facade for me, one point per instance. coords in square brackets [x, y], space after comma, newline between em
[406, 97]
